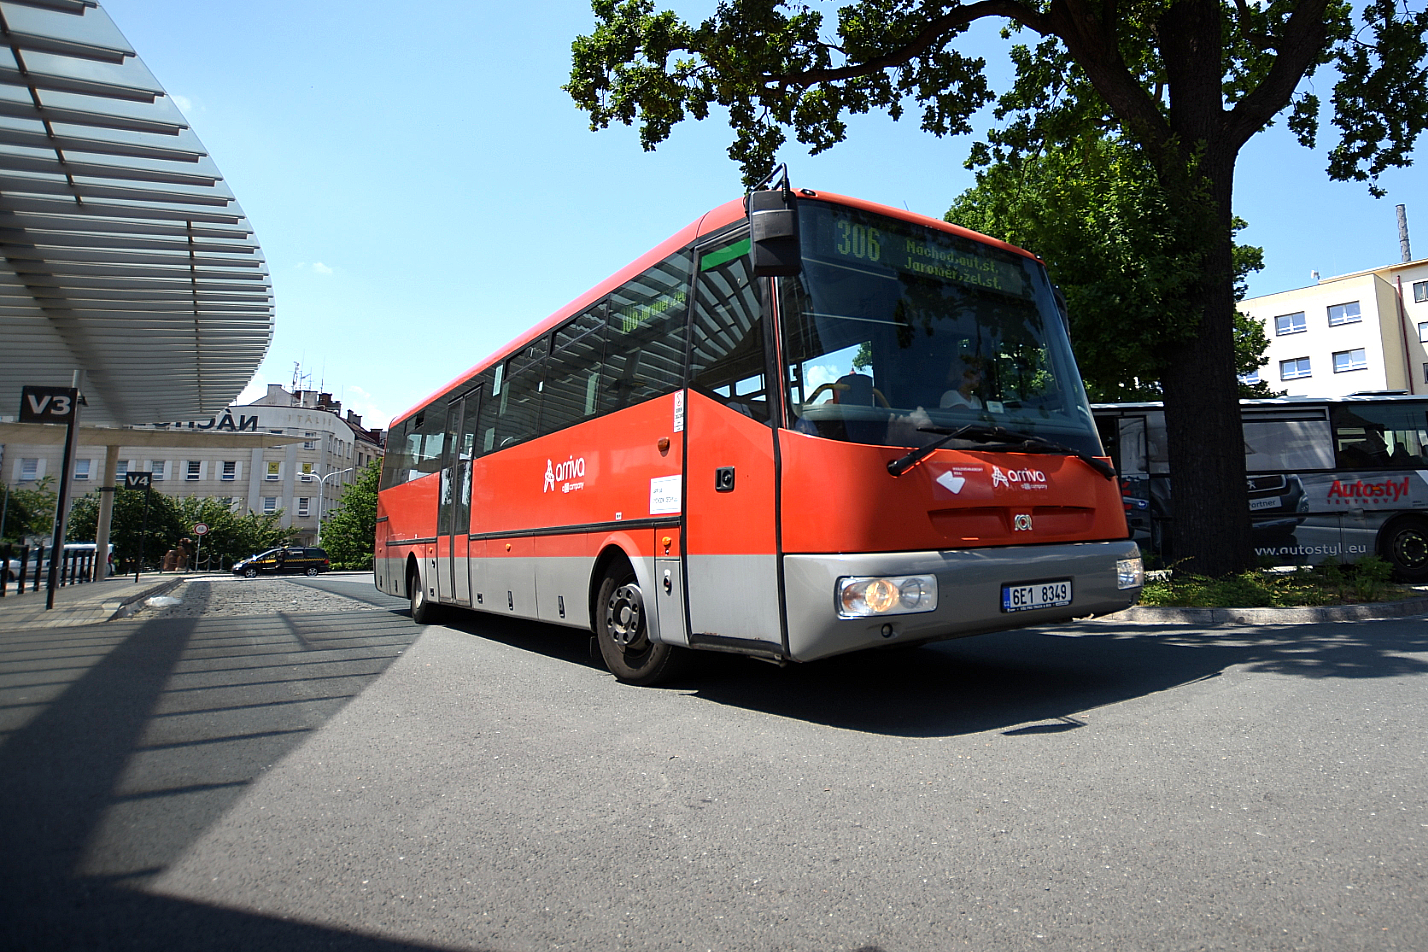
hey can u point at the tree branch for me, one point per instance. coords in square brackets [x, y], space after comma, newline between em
[1299, 49]
[925, 40]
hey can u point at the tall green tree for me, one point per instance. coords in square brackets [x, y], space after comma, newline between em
[127, 522]
[350, 532]
[1189, 82]
[1094, 212]
[29, 512]
[231, 536]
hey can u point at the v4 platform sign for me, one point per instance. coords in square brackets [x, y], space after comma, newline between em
[48, 404]
[138, 480]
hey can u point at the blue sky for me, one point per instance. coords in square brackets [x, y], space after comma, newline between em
[423, 190]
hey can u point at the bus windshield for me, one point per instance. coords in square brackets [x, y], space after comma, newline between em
[895, 333]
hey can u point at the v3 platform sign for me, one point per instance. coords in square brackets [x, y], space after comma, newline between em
[48, 404]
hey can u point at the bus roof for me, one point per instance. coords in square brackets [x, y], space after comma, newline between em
[710, 222]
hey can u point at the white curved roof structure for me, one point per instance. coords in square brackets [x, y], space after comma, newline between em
[124, 253]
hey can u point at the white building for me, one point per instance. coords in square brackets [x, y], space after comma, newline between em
[1350, 334]
[292, 479]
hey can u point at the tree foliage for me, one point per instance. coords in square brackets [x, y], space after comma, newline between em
[29, 512]
[1187, 82]
[1109, 237]
[350, 532]
[126, 526]
[231, 536]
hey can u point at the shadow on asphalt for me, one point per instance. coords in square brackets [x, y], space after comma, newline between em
[124, 742]
[1006, 681]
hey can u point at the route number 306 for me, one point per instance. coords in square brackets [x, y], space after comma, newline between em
[859, 241]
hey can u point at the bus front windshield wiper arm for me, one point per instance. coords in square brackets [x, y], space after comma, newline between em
[1006, 440]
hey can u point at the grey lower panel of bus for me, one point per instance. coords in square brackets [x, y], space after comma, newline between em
[552, 589]
[735, 596]
[969, 592]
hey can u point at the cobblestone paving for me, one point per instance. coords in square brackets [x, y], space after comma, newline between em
[249, 596]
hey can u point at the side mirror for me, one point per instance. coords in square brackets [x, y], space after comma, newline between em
[773, 233]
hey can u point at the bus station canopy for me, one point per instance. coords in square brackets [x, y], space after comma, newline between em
[124, 253]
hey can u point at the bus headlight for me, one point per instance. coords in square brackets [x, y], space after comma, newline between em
[895, 595]
[1130, 573]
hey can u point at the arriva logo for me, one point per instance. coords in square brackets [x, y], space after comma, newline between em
[564, 474]
[1025, 478]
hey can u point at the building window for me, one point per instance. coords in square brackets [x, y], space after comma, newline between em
[1344, 314]
[230, 469]
[275, 471]
[302, 505]
[307, 472]
[1250, 378]
[1420, 291]
[121, 467]
[159, 467]
[29, 470]
[81, 469]
[1290, 324]
[1292, 369]
[270, 503]
[1346, 360]
[1423, 331]
[194, 469]
[310, 443]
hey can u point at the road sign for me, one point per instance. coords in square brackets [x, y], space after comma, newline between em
[47, 404]
[200, 529]
[138, 480]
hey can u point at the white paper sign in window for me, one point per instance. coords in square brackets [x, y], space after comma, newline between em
[664, 495]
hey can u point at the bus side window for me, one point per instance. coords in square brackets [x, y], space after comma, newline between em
[511, 416]
[572, 380]
[727, 342]
[644, 352]
[397, 462]
[430, 429]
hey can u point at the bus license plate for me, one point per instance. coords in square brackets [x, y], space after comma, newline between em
[1020, 598]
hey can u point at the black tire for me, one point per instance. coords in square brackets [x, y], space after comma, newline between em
[423, 609]
[250, 572]
[622, 632]
[1403, 544]
[312, 571]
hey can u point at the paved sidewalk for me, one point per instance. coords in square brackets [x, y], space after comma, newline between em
[86, 604]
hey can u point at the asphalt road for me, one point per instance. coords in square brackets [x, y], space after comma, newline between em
[349, 781]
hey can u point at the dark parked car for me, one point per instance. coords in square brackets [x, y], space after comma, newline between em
[290, 558]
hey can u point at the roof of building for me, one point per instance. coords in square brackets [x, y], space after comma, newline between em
[124, 253]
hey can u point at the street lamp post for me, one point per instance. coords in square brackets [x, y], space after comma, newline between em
[321, 485]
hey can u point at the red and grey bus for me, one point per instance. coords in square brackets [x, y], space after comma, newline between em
[804, 425]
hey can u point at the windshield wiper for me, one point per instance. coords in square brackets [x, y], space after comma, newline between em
[1006, 440]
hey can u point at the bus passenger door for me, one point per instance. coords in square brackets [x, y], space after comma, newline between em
[730, 538]
[453, 579]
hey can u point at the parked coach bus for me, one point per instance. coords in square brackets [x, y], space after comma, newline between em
[1329, 478]
[924, 464]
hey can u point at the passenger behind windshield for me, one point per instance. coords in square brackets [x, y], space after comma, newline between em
[893, 327]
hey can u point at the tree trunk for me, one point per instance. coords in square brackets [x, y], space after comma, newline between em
[1202, 414]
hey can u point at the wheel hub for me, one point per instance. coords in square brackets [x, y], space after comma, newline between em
[623, 615]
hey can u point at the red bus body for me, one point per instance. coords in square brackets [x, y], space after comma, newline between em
[738, 529]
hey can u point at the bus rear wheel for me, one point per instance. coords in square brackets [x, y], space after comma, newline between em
[423, 609]
[622, 632]
[1403, 544]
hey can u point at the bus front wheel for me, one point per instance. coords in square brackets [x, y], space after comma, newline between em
[622, 632]
[1403, 544]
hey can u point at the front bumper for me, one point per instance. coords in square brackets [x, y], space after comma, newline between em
[969, 584]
